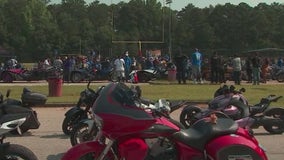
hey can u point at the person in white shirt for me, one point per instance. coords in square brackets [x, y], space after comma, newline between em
[46, 63]
[119, 68]
[237, 68]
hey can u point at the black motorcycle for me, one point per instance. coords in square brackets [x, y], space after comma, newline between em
[87, 129]
[102, 72]
[29, 99]
[82, 109]
[10, 151]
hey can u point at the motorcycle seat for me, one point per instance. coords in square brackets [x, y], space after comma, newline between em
[202, 131]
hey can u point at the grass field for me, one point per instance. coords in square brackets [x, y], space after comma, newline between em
[195, 93]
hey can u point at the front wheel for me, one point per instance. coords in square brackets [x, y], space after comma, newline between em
[69, 122]
[187, 116]
[15, 151]
[81, 134]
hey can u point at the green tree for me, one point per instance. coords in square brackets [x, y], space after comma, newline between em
[29, 27]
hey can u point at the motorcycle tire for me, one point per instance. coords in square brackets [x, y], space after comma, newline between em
[187, 116]
[275, 128]
[280, 77]
[81, 134]
[7, 77]
[15, 151]
[69, 122]
[112, 77]
[76, 77]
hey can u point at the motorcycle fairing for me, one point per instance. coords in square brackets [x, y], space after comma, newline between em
[74, 111]
[202, 131]
[134, 148]
[117, 108]
[162, 126]
[185, 152]
[119, 125]
[32, 120]
[117, 99]
[83, 148]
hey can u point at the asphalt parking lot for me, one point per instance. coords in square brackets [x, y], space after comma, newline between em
[49, 143]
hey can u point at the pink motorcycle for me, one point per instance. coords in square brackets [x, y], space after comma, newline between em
[133, 132]
[234, 105]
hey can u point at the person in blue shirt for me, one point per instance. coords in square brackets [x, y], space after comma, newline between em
[280, 62]
[196, 61]
[128, 63]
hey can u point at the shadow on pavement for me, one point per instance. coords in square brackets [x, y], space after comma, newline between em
[55, 157]
[61, 136]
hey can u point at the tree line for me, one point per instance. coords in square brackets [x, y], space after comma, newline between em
[34, 29]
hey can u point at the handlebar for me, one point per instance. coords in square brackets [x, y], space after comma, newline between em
[273, 98]
[266, 101]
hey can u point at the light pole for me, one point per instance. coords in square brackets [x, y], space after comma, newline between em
[169, 2]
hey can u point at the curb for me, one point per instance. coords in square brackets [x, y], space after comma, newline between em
[56, 105]
[74, 104]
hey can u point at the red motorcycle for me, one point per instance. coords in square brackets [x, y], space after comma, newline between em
[134, 132]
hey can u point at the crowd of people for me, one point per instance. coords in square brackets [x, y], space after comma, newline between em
[121, 65]
[217, 69]
[193, 67]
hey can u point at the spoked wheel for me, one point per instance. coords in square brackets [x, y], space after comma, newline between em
[69, 122]
[277, 127]
[81, 134]
[18, 152]
[187, 116]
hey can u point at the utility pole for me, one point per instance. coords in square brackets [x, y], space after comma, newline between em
[169, 2]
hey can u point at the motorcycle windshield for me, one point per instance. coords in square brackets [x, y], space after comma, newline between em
[117, 107]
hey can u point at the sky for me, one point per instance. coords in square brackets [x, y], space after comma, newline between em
[179, 4]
